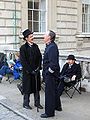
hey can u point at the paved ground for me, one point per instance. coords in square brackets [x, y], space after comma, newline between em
[77, 108]
[7, 113]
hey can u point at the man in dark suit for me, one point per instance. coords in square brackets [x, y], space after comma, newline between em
[51, 71]
[30, 58]
[70, 70]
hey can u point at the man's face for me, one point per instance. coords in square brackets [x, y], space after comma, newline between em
[30, 38]
[70, 61]
[47, 38]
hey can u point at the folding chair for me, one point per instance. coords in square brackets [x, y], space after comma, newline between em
[74, 86]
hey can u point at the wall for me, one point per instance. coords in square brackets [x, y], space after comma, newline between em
[10, 24]
[69, 28]
[67, 23]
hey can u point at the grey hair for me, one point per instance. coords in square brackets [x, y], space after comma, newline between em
[52, 34]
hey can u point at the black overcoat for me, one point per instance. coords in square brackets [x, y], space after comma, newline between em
[31, 58]
[74, 70]
[51, 60]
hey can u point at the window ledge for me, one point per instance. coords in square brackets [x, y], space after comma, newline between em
[83, 35]
[38, 35]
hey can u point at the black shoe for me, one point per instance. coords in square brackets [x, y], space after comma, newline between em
[39, 106]
[58, 109]
[27, 107]
[0, 80]
[46, 116]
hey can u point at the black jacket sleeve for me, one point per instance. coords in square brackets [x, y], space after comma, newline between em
[23, 60]
[53, 58]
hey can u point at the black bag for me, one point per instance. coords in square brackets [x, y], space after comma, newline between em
[67, 79]
[20, 87]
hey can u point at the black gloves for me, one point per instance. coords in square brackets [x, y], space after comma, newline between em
[34, 72]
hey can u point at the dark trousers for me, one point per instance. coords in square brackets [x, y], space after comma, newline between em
[26, 99]
[62, 84]
[57, 98]
[52, 99]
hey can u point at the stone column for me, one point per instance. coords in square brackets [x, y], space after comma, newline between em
[24, 22]
[51, 14]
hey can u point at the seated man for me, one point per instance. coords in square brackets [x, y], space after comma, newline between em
[17, 69]
[5, 69]
[12, 67]
[70, 70]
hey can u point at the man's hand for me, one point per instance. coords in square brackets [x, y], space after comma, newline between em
[20, 68]
[73, 77]
[50, 70]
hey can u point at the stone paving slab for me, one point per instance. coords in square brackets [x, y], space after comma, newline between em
[77, 108]
[9, 113]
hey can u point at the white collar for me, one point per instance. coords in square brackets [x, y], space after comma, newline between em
[30, 44]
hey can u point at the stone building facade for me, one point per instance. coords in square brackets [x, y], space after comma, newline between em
[62, 16]
[10, 24]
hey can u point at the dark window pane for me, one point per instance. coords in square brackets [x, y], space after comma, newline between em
[83, 27]
[83, 8]
[36, 5]
[89, 27]
[29, 15]
[83, 18]
[36, 15]
[86, 29]
[30, 4]
[86, 8]
[86, 18]
[30, 25]
[89, 18]
[36, 27]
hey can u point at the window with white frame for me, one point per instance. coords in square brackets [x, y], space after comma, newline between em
[37, 15]
[86, 16]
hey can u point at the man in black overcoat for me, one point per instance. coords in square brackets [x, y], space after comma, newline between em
[70, 70]
[31, 59]
[51, 71]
